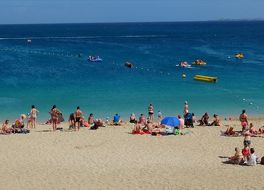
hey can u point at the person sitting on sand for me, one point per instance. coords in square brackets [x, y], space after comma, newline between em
[252, 158]
[237, 158]
[117, 120]
[132, 118]
[245, 152]
[181, 122]
[91, 120]
[97, 123]
[204, 120]
[5, 128]
[19, 123]
[137, 129]
[252, 129]
[243, 118]
[142, 119]
[77, 117]
[216, 121]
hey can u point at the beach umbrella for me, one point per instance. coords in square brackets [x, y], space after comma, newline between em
[171, 121]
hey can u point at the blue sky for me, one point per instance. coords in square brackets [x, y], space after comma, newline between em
[71, 11]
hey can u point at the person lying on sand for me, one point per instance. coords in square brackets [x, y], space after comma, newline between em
[231, 132]
[261, 130]
[252, 129]
[237, 158]
[132, 118]
[204, 120]
[216, 121]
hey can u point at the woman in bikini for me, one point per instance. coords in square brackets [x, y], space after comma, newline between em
[54, 113]
[151, 112]
[33, 116]
[243, 118]
[77, 115]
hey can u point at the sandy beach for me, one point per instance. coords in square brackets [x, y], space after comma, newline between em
[111, 158]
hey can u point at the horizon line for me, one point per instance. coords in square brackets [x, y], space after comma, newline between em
[131, 22]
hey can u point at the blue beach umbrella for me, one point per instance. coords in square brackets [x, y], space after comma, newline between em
[171, 121]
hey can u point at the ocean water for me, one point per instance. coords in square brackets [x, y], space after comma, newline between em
[49, 71]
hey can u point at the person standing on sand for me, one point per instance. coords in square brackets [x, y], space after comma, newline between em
[33, 116]
[151, 112]
[54, 113]
[185, 108]
[77, 117]
[243, 118]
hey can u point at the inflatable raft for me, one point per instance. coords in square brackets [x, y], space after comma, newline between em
[199, 62]
[239, 56]
[205, 78]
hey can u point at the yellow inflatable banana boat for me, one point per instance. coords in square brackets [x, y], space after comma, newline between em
[205, 78]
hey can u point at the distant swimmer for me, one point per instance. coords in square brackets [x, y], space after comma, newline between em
[29, 41]
[129, 65]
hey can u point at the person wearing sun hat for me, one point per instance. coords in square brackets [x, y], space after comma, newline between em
[19, 123]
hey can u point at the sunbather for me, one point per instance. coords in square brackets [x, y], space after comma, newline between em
[5, 128]
[204, 120]
[216, 121]
[237, 158]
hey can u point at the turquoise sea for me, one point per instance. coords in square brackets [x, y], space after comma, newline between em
[48, 70]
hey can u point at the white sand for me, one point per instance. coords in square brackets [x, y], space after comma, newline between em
[111, 158]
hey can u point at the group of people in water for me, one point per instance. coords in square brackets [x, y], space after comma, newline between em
[247, 155]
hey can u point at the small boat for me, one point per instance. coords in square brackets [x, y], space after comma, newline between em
[239, 56]
[199, 62]
[184, 64]
[205, 78]
[129, 65]
[94, 58]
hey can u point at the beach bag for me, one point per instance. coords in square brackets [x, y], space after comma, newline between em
[169, 130]
[177, 132]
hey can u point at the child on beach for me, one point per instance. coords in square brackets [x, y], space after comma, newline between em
[77, 117]
[181, 122]
[237, 158]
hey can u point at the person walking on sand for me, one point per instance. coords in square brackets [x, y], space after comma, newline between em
[151, 112]
[243, 118]
[33, 116]
[77, 116]
[54, 113]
